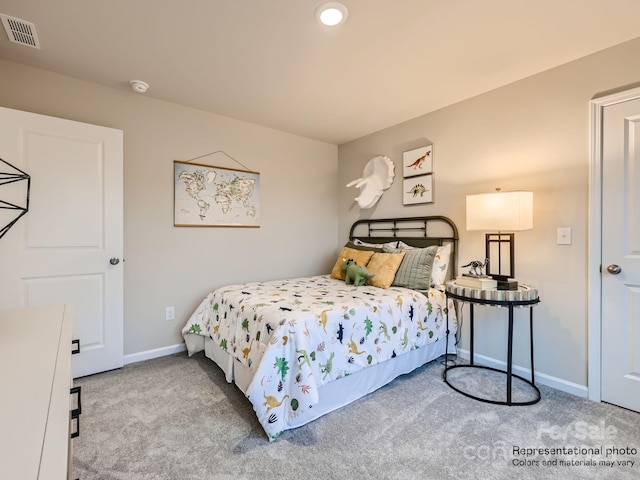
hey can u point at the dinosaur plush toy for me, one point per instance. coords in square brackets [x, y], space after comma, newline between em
[354, 273]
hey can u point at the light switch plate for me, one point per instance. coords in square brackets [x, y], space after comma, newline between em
[564, 236]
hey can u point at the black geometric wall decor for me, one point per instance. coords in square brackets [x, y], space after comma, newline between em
[8, 176]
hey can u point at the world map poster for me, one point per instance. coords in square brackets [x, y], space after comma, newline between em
[206, 196]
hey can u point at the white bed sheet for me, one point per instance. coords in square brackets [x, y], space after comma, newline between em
[341, 392]
[289, 321]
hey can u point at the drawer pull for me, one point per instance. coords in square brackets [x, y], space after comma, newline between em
[76, 411]
[77, 344]
[75, 433]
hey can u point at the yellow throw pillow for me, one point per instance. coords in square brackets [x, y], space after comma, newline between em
[384, 266]
[361, 257]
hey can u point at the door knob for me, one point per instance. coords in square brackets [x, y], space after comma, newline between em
[614, 269]
[114, 261]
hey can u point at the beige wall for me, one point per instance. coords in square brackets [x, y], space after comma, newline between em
[533, 134]
[168, 266]
[530, 135]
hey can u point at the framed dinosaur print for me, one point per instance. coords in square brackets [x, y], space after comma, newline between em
[417, 190]
[417, 162]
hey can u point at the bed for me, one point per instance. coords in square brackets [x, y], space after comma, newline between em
[300, 348]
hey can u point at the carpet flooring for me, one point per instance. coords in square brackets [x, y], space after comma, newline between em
[176, 417]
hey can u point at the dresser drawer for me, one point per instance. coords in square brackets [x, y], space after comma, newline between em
[35, 372]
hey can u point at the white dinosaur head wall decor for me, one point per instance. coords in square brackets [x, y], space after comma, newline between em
[376, 178]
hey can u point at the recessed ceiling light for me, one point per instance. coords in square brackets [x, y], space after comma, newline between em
[332, 13]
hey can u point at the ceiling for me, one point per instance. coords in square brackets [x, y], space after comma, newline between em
[269, 62]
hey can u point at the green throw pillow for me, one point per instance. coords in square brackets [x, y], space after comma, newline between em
[415, 270]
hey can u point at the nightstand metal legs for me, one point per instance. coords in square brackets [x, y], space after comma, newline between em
[509, 355]
[471, 332]
[509, 370]
[531, 344]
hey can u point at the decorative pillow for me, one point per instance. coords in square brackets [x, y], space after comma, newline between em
[360, 243]
[361, 257]
[401, 245]
[440, 265]
[384, 267]
[415, 270]
[373, 246]
[357, 245]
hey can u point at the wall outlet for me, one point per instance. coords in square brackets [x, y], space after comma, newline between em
[170, 313]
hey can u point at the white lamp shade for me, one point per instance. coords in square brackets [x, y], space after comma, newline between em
[500, 212]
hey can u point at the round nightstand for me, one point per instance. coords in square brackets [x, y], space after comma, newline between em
[524, 296]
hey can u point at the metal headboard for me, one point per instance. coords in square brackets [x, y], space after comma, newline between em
[415, 231]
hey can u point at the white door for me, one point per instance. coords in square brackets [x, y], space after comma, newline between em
[621, 254]
[60, 250]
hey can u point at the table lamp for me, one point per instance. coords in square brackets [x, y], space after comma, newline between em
[503, 213]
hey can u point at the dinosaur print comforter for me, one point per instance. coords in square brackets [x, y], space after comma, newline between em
[296, 335]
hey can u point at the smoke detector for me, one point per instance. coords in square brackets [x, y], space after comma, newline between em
[139, 86]
[20, 31]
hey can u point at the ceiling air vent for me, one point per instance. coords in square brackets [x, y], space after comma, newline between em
[20, 31]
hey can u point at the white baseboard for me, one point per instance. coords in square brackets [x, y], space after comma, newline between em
[155, 353]
[544, 379]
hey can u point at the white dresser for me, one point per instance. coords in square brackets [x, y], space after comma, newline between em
[35, 375]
